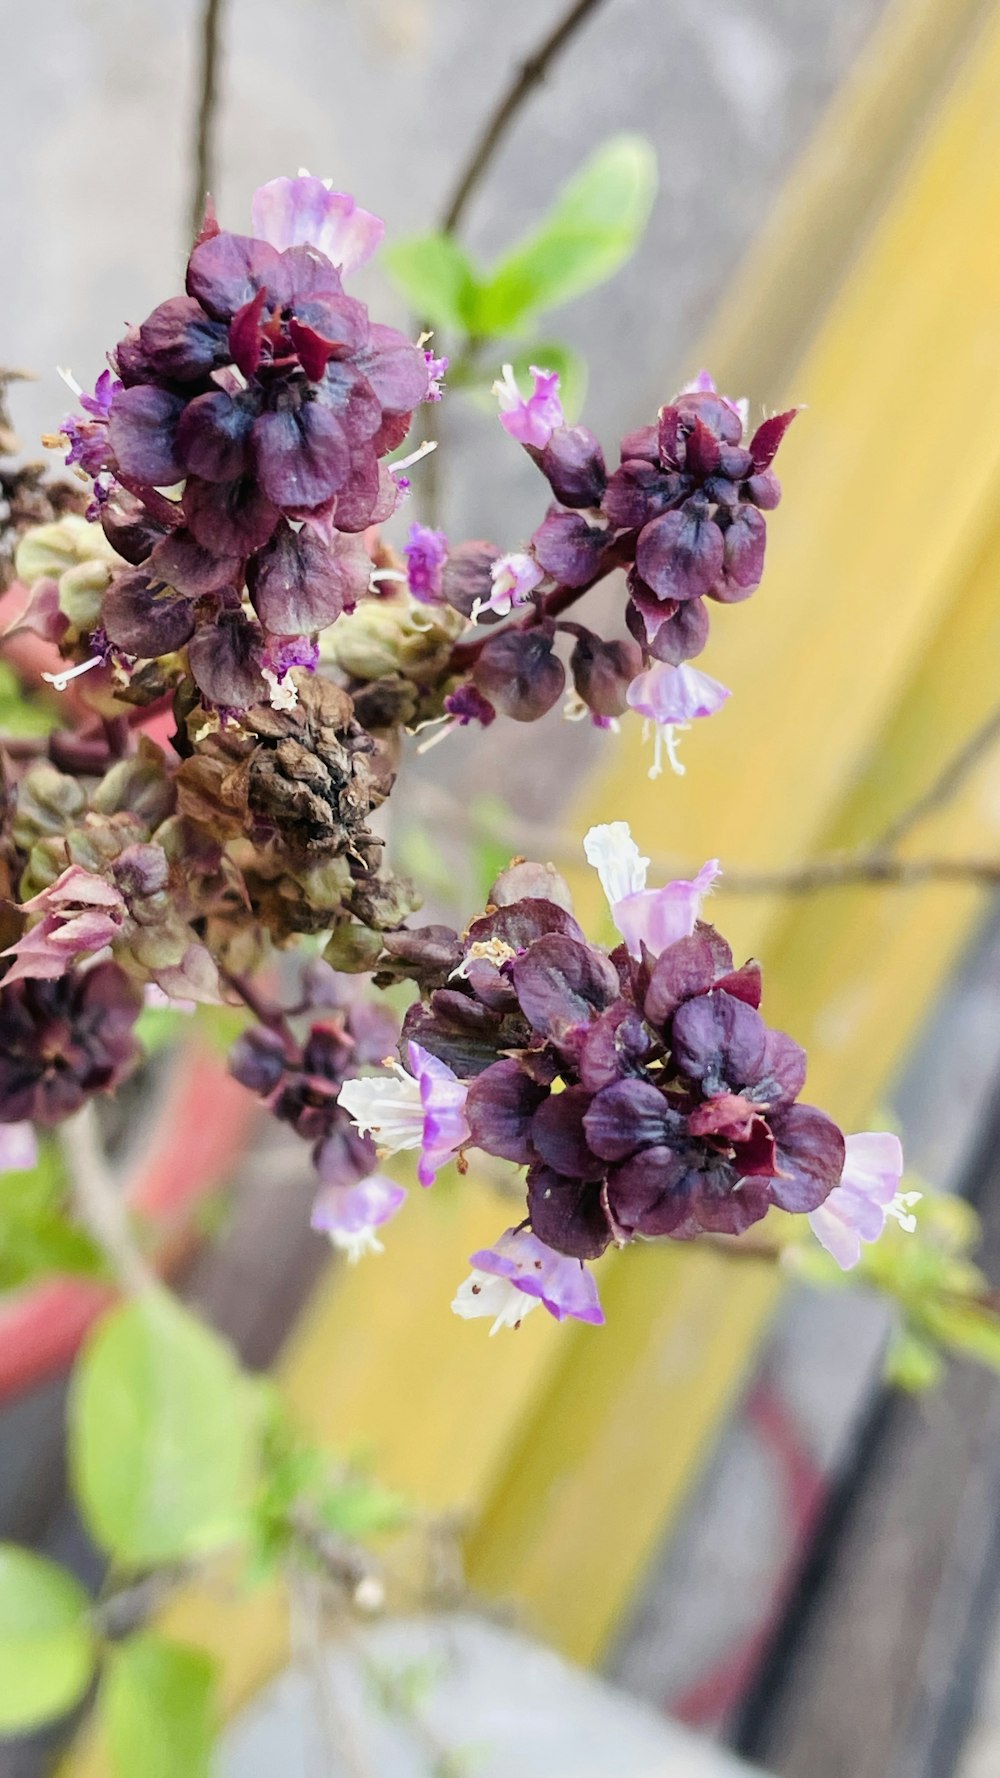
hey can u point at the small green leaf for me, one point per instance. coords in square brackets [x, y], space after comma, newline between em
[436, 277]
[46, 1643]
[912, 1363]
[20, 713]
[358, 1508]
[965, 1328]
[163, 1435]
[591, 230]
[37, 1238]
[158, 1709]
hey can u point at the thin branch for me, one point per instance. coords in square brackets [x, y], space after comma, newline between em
[872, 867]
[945, 784]
[204, 158]
[99, 1199]
[529, 75]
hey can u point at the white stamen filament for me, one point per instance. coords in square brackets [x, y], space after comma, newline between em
[665, 740]
[448, 727]
[424, 450]
[356, 1244]
[379, 574]
[70, 381]
[60, 681]
[900, 1209]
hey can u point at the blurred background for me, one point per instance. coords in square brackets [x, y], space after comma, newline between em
[715, 1502]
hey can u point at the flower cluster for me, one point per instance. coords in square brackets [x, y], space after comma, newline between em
[62, 1041]
[255, 652]
[237, 449]
[640, 1088]
[300, 1081]
[682, 515]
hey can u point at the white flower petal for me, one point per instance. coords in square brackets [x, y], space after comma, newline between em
[617, 860]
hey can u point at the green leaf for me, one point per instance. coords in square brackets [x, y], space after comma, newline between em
[436, 277]
[47, 1647]
[158, 1709]
[163, 1435]
[358, 1508]
[37, 1238]
[591, 230]
[20, 713]
[912, 1363]
[965, 1328]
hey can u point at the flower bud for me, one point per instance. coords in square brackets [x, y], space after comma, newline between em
[603, 671]
[524, 881]
[141, 870]
[55, 548]
[392, 635]
[257, 1060]
[138, 786]
[519, 673]
[573, 464]
[467, 576]
[352, 948]
[81, 590]
[568, 548]
[47, 804]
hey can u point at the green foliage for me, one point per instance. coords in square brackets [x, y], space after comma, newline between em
[437, 279]
[593, 227]
[20, 713]
[158, 1709]
[37, 1236]
[163, 1435]
[354, 1506]
[945, 1307]
[47, 1647]
[303, 1484]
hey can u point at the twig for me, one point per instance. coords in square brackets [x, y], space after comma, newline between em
[99, 1199]
[204, 167]
[529, 75]
[118, 1614]
[863, 867]
[944, 785]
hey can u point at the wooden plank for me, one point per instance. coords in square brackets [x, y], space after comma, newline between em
[843, 183]
[821, 660]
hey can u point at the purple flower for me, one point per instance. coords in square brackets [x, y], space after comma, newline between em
[703, 383]
[61, 1041]
[279, 657]
[426, 553]
[80, 914]
[436, 368]
[671, 698]
[305, 212]
[423, 1108]
[270, 396]
[655, 918]
[521, 1267]
[531, 421]
[465, 704]
[88, 439]
[18, 1148]
[514, 578]
[868, 1193]
[350, 1214]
